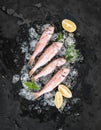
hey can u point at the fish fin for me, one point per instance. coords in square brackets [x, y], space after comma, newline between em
[36, 95]
[31, 72]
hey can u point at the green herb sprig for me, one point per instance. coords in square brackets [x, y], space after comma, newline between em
[60, 37]
[71, 54]
[31, 86]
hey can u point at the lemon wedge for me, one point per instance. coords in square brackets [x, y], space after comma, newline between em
[68, 25]
[58, 99]
[65, 91]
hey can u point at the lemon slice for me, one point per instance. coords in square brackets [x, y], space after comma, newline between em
[58, 100]
[68, 25]
[65, 91]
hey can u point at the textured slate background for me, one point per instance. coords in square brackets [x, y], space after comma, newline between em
[87, 14]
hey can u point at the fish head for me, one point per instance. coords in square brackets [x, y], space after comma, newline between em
[65, 72]
[58, 44]
[50, 30]
[61, 61]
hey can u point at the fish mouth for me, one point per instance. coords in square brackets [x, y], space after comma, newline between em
[59, 45]
[50, 30]
[63, 75]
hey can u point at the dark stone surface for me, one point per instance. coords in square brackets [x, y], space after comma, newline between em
[87, 15]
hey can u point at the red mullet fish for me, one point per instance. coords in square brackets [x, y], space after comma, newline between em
[44, 39]
[53, 83]
[49, 68]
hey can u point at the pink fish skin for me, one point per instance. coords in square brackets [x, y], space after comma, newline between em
[49, 68]
[44, 39]
[48, 54]
[53, 83]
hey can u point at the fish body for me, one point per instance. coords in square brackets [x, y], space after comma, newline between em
[48, 54]
[53, 83]
[44, 39]
[49, 68]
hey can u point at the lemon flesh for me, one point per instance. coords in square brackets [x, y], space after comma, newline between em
[65, 91]
[58, 99]
[68, 25]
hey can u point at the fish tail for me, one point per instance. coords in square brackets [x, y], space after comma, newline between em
[31, 72]
[31, 60]
[34, 78]
[36, 95]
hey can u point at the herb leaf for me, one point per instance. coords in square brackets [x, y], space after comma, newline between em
[60, 37]
[71, 54]
[31, 85]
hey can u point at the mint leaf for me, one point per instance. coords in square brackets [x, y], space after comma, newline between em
[60, 37]
[31, 86]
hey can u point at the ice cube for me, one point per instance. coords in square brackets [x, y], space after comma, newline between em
[33, 43]
[27, 56]
[25, 77]
[25, 69]
[48, 98]
[32, 33]
[24, 49]
[26, 94]
[15, 78]
[69, 40]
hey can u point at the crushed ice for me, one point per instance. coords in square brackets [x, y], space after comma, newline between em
[27, 48]
[15, 78]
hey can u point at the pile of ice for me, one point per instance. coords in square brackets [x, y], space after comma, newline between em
[27, 48]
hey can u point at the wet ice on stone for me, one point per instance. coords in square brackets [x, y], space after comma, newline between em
[49, 98]
[24, 49]
[33, 43]
[69, 40]
[48, 95]
[25, 69]
[27, 56]
[32, 33]
[26, 94]
[25, 77]
[74, 72]
[15, 78]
